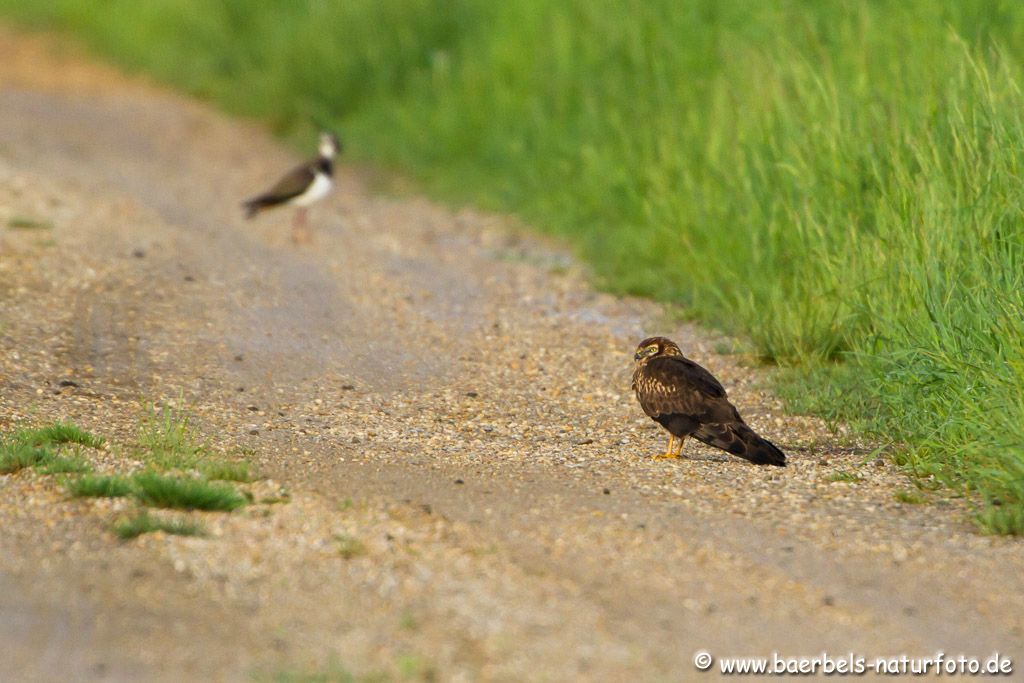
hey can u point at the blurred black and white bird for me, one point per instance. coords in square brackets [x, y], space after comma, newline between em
[300, 187]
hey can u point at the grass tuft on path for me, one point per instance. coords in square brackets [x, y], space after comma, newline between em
[837, 182]
[97, 486]
[168, 440]
[334, 672]
[56, 434]
[18, 456]
[60, 464]
[24, 223]
[158, 490]
[221, 470]
[40, 448]
[145, 523]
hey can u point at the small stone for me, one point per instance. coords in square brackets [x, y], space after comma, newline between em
[607, 492]
[459, 481]
[238, 357]
[254, 431]
[347, 387]
[253, 408]
[189, 278]
[583, 442]
[68, 383]
[472, 394]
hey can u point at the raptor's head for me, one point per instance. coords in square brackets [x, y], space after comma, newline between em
[653, 347]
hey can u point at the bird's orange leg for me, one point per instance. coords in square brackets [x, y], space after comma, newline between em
[300, 229]
[669, 453]
[679, 447]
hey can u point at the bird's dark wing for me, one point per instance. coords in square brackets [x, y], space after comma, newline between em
[672, 385]
[291, 184]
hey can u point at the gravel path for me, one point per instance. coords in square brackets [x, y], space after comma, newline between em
[439, 390]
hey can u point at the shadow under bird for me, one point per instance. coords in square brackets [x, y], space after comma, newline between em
[687, 400]
[300, 187]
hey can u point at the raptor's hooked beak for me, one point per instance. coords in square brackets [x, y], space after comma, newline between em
[636, 356]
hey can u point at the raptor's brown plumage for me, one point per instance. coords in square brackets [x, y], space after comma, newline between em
[687, 400]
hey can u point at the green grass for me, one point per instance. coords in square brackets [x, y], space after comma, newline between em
[18, 456]
[60, 464]
[221, 470]
[350, 546]
[168, 440]
[164, 491]
[40, 447]
[56, 434]
[837, 182]
[97, 486]
[844, 477]
[23, 223]
[144, 523]
[998, 520]
[415, 668]
[910, 497]
[334, 672]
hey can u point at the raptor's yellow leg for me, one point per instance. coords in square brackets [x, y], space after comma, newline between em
[679, 447]
[669, 453]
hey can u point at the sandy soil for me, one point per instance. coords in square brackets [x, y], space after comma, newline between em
[434, 387]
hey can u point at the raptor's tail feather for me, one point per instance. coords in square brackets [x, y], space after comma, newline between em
[741, 440]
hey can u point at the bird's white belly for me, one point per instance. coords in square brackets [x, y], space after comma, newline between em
[315, 192]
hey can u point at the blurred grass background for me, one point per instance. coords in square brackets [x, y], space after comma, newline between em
[836, 182]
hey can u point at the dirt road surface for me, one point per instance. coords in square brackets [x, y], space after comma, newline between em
[435, 389]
